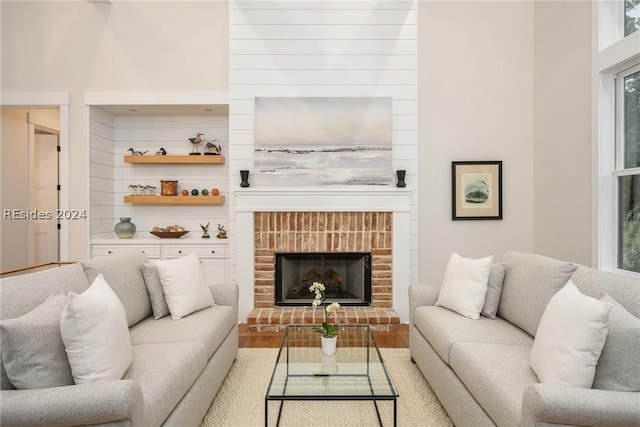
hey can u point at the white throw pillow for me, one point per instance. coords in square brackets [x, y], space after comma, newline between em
[465, 285]
[96, 337]
[184, 285]
[570, 337]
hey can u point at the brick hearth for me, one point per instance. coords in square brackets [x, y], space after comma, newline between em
[275, 319]
[322, 232]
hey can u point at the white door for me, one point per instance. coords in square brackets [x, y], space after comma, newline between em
[44, 187]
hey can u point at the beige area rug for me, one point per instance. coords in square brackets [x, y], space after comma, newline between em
[240, 401]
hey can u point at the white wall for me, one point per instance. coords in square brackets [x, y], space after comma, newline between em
[562, 150]
[476, 101]
[322, 48]
[80, 47]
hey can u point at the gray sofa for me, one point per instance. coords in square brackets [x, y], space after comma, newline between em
[479, 369]
[177, 366]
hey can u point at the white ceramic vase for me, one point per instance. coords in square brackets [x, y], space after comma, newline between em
[329, 345]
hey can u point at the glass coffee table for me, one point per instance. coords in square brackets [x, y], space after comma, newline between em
[355, 372]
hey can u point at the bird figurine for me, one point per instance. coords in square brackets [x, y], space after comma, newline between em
[205, 231]
[222, 233]
[134, 189]
[213, 148]
[137, 153]
[161, 152]
[195, 141]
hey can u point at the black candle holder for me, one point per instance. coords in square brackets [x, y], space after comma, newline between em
[244, 175]
[401, 174]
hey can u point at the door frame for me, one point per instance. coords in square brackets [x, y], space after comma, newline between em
[33, 127]
[59, 100]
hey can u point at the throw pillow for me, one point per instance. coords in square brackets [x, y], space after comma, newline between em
[494, 291]
[570, 337]
[156, 293]
[618, 367]
[32, 349]
[465, 285]
[95, 334]
[184, 285]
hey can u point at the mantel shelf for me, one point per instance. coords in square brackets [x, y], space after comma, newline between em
[175, 159]
[175, 200]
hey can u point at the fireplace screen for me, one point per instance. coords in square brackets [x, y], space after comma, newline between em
[346, 277]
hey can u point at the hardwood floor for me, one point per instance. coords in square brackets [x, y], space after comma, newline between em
[247, 339]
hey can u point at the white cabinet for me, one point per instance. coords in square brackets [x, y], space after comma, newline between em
[213, 254]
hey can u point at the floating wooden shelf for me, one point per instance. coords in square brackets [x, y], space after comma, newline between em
[175, 159]
[175, 200]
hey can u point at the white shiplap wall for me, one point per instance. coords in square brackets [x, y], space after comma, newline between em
[110, 175]
[324, 48]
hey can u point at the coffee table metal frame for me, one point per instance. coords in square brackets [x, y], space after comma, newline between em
[369, 356]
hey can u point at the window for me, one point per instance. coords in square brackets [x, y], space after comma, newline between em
[616, 133]
[627, 170]
[631, 16]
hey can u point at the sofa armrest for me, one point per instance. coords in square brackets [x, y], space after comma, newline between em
[116, 402]
[554, 404]
[226, 294]
[420, 295]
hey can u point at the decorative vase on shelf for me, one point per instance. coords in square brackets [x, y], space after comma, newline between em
[329, 345]
[125, 229]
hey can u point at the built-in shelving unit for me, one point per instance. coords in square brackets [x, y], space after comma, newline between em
[175, 200]
[148, 122]
[175, 160]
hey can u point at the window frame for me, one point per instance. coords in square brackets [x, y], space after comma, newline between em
[614, 56]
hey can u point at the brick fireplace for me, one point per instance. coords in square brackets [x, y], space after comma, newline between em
[322, 232]
[322, 220]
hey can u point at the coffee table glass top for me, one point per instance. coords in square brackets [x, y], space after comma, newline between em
[356, 371]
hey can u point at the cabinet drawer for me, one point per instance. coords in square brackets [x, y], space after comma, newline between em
[150, 251]
[178, 251]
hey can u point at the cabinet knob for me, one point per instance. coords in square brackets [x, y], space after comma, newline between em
[179, 252]
[109, 252]
[213, 252]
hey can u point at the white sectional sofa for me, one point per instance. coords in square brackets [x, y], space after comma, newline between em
[480, 369]
[176, 369]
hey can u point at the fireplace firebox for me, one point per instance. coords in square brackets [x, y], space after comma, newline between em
[346, 276]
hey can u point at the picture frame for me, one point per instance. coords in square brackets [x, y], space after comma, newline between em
[476, 190]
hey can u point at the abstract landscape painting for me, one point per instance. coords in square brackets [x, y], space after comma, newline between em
[323, 141]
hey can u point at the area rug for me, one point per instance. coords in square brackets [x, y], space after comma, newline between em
[240, 401]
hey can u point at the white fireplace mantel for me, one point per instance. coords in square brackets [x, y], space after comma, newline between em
[326, 199]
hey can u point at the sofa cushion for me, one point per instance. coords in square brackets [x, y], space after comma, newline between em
[618, 367]
[570, 338]
[32, 348]
[123, 272]
[444, 329]
[625, 290]
[208, 327]
[464, 286]
[165, 373]
[21, 294]
[494, 291]
[185, 287]
[156, 293]
[95, 334]
[496, 375]
[529, 283]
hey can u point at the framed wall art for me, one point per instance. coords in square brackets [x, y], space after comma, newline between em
[476, 190]
[316, 141]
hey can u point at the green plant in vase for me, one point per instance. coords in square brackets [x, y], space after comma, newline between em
[327, 330]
